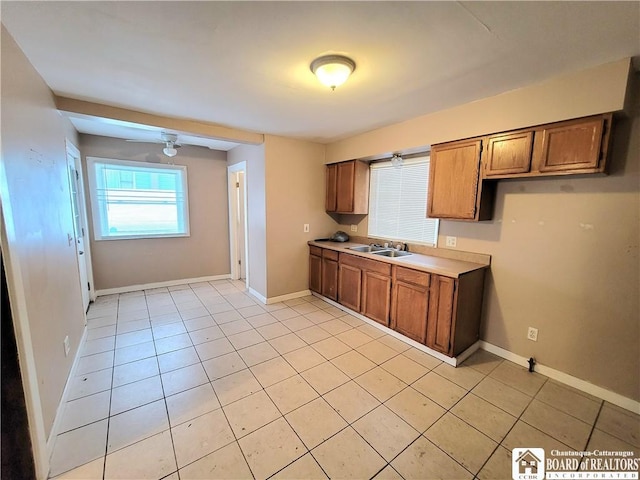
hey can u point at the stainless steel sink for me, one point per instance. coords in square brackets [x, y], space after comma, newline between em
[392, 253]
[368, 249]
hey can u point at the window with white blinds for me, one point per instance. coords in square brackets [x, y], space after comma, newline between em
[137, 200]
[398, 202]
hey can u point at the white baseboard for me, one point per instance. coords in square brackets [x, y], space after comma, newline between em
[170, 283]
[260, 297]
[575, 382]
[281, 298]
[65, 393]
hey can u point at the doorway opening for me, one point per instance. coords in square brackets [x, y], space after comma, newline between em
[238, 243]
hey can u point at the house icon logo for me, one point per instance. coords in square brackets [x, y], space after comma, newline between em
[527, 463]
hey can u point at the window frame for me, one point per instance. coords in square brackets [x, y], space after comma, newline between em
[424, 157]
[98, 214]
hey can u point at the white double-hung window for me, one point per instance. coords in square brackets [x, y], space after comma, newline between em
[137, 200]
[398, 202]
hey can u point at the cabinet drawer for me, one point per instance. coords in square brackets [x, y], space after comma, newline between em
[330, 254]
[317, 251]
[412, 276]
[365, 264]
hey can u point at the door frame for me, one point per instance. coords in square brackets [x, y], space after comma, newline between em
[74, 152]
[232, 170]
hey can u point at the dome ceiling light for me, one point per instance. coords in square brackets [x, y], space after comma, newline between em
[333, 70]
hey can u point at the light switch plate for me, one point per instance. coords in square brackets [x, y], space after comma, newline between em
[305, 228]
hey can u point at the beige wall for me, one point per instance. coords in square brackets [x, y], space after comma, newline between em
[121, 263]
[37, 215]
[565, 249]
[254, 157]
[295, 196]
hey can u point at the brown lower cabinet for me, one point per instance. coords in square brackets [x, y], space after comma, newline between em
[323, 272]
[441, 296]
[410, 303]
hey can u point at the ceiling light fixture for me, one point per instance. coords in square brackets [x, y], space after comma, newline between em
[396, 160]
[169, 151]
[333, 70]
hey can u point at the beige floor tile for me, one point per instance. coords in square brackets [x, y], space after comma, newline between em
[388, 473]
[98, 345]
[335, 326]
[313, 334]
[353, 363]
[346, 317]
[102, 332]
[79, 447]
[237, 326]
[178, 359]
[235, 386]
[134, 352]
[183, 379]
[135, 394]
[414, 408]
[603, 441]
[150, 458]
[324, 377]
[305, 308]
[93, 363]
[489, 419]
[483, 361]
[175, 342]
[439, 389]
[133, 338]
[206, 335]
[85, 410]
[134, 425]
[272, 371]
[258, 353]
[199, 323]
[226, 463]
[620, 423]
[472, 453]
[498, 466]
[297, 323]
[287, 343]
[319, 316]
[271, 448]
[423, 460]
[569, 430]
[354, 338]
[89, 471]
[125, 327]
[347, 455]
[386, 432]
[214, 349]
[223, 365]
[377, 352]
[331, 347]
[224, 313]
[261, 320]
[134, 371]
[422, 358]
[315, 422]
[404, 368]
[569, 401]
[380, 383]
[304, 358]
[246, 339]
[371, 331]
[273, 330]
[250, 413]
[524, 434]
[508, 399]
[192, 403]
[466, 377]
[165, 318]
[201, 436]
[251, 311]
[351, 401]
[518, 377]
[291, 393]
[305, 467]
[284, 313]
[395, 343]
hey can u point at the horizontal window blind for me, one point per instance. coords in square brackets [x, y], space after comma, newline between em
[398, 202]
[137, 200]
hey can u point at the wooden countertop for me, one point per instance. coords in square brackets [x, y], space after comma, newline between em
[426, 263]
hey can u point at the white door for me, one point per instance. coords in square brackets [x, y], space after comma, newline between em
[241, 247]
[79, 221]
[238, 221]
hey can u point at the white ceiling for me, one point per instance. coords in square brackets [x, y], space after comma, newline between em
[246, 64]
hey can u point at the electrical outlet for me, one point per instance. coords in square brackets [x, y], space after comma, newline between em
[532, 334]
[451, 241]
[305, 228]
[354, 228]
[67, 347]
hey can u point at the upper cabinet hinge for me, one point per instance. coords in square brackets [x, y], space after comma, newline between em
[237, 184]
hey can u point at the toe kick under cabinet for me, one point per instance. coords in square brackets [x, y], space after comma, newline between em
[435, 310]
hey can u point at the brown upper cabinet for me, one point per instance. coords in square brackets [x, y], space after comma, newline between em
[508, 153]
[347, 187]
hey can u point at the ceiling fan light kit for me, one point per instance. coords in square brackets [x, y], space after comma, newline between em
[333, 70]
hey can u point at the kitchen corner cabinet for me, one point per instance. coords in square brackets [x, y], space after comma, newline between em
[347, 187]
[323, 272]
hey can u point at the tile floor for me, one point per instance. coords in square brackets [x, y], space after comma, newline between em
[202, 381]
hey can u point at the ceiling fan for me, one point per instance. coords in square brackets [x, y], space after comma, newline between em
[170, 141]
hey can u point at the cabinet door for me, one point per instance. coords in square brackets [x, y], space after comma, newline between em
[349, 286]
[440, 313]
[376, 296]
[572, 145]
[454, 177]
[331, 187]
[409, 309]
[508, 153]
[315, 273]
[330, 278]
[346, 175]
